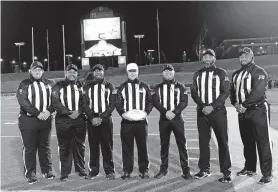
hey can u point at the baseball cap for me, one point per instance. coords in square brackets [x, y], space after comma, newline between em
[98, 66]
[35, 65]
[246, 50]
[131, 66]
[210, 52]
[72, 66]
[168, 67]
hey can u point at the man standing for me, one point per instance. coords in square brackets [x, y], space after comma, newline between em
[70, 125]
[209, 91]
[170, 99]
[34, 122]
[134, 94]
[249, 84]
[99, 103]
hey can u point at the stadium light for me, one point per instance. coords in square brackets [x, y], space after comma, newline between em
[19, 44]
[45, 60]
[24, 63]
[1, 60]
[139, 37]
[79, 58]
[35, 58]
[13, 62]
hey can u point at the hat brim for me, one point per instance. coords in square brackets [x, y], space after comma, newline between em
[37, 67]
[209, 53]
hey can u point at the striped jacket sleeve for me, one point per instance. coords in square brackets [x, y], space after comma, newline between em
[22, 97]
[233, 91]
[120, 101]
[156, 101]
[55, 99]
[194, 92]
[183, 100]
[50, 108]
[112, 100]
[86, 102]
[224, 90]
[148, 101]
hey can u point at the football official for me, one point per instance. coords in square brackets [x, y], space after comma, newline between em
[67, 98]
[248, 96]
[99, 103]
[170, 99]
[134, 94]
[34, 98]
[209, 91]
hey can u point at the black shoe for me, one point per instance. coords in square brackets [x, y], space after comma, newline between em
[202, 174]
[82, 174]
[91, 176]
[110, 176]
[225, 179]
[126, 176]
[49, 175]
[187, 176]
[144, 175]
[243, 172]
[160, 174]
[64, 178]
[265, 180]
[251, 173]
[32, 180]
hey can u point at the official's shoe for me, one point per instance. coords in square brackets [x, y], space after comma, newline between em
[49, 175]
[110, 176]
[160, 174]
[64, 178]
[187, 176]
[251, 173]
[144, 175]
[82, 174]
[265, 180]
[202, 174]
[91, 176]
[32, 180]
[225, 179]
[126, 176]
[243, 172]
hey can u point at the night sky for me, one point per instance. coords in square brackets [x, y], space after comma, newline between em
[180, 24]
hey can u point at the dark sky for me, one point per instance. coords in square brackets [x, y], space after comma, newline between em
[180, 24]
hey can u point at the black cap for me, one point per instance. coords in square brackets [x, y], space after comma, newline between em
[210, 52]
[168, 67]
[72, 66]
[246, 50]
[35, 65]
[98, 66]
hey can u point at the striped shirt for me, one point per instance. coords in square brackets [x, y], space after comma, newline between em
[134, 95]
[34, 96]
[210, 87]
[67, 96]
[248, 85]
[98, 99]
[171, 96]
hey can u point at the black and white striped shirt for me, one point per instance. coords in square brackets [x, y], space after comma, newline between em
[99, 99]
[34, 96]
[210, 87]
[170, 95]
[67, 96]
[134, 95]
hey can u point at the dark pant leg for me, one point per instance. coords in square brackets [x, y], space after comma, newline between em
[204, 139]
[177, 125]
[127, 139]
[93, 137]
[165, 133]
[249, 144]
[44, 149]
[106, 141]
[141, 136]
[65, 142]
[260, 121]
[79, 136]
[220, 128]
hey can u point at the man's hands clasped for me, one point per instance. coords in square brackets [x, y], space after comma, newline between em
[207, 110]
[240, 108]
[44, 115]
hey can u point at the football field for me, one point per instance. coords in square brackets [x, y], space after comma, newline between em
[12, 178]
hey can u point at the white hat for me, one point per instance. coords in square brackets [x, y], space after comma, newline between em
[131, 66]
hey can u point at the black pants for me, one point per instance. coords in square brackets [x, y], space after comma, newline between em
[139, 131]
[218, 121]
[71, 135]
[165, 128]
[254, 130]
[35, 136]
[101, 136]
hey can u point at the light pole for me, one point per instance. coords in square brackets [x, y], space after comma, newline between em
[19, 44]
[139, 37]
[69, 56]
[44, 61]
